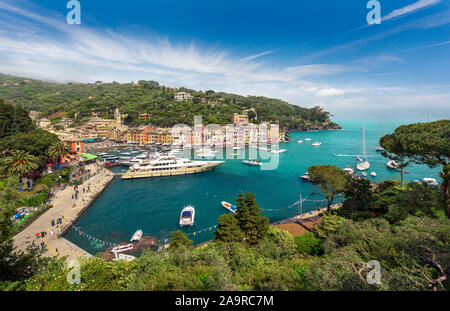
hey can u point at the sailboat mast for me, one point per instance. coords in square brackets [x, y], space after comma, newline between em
[364, 142]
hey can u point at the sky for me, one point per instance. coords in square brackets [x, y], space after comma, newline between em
[308, 53]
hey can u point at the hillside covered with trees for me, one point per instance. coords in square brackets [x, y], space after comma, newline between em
[80, 101]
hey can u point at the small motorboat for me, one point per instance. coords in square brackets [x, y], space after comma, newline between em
[348, 169]
[300, 141]
[307, 139]
[252, 162]
[364, 173]
[122, 248]
[232, 208]
[187, 216]
[316, 144]
[279, 151]
[306, 176]
[136, 236]
[430, 181]
[379, 149]
[392, 164]
[373, 174]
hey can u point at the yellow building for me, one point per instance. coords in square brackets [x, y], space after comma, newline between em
[239, 119]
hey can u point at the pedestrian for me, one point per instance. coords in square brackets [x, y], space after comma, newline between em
[72, 196]
[52, 233]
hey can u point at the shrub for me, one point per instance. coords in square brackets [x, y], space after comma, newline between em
[307, 243]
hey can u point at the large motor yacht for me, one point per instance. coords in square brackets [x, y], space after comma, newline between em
[169, 166]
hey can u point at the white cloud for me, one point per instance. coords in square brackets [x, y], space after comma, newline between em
[420, 4]
[330, 92]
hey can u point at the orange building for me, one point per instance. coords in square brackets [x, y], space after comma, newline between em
[76, 145]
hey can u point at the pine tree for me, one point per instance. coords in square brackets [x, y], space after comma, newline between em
[228, 230]
[248, 217]
[180, 240]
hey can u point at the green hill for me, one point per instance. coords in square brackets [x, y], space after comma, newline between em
[81, 100]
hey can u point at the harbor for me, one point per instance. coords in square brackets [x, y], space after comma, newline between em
[154, 204]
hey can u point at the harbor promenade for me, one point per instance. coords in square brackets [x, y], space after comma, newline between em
[68, 210]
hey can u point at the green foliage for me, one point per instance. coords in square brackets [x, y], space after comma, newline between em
[413, 199]
[249, 218]
[179, 240]
[156, 100]
[328, 225]
[47, 181]
[14, 267]
[36, 142]
[308, 244]
[397, 151]
[330, 179]
[277, 244]
[13, 120]
[228, 229]
[37, 199]
[359, 200]
[19, 163]
[57, 150]
[428, 143]
[414, 255]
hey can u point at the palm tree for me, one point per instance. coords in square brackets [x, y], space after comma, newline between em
[20, 163]
[57, 150]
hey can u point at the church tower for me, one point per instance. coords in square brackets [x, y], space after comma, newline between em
[118, 117]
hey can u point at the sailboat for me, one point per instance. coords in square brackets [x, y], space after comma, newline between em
[379, 148]
[363, 164]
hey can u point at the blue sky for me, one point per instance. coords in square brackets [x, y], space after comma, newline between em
[315, 52]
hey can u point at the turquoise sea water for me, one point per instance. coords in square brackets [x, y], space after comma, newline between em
[154, 204]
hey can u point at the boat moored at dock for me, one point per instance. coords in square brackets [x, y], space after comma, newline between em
[169, 166]
[122, 248]
[136, 236]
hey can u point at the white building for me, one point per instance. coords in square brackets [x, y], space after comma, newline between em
[180, 96]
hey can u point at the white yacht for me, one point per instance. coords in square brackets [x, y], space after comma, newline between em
[252, 162]
[300, 141]
[316, 144]
[279, 151]
[306, 176]
[373, 174]
[169, 166]
[142, 156]
[307, 139]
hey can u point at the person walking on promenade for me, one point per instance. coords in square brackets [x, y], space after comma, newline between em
[52, 233]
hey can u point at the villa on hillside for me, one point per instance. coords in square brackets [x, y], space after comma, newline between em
[239, 119]
[180, 96]
[43, 123]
